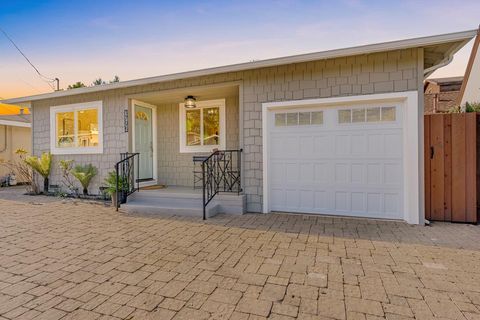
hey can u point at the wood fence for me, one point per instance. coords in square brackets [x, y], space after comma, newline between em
[451, 167]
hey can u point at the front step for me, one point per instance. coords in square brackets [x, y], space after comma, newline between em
[186, 203]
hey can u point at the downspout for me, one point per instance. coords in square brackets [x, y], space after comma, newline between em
[441, 64]
[5, 141]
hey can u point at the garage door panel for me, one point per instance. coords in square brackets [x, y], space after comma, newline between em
[341, 169]
[358, 202]
[359, 144]
[342, 145]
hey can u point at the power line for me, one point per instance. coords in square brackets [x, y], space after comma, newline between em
[48, 80]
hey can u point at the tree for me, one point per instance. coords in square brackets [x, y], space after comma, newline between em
[115, 79]
[77, 84]
[98, 82]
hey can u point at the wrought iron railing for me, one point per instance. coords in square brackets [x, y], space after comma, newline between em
[221, 172]
[125, 177]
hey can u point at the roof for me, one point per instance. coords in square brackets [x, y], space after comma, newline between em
[446, 80]
[469, 92]
[16, 120]
[440, 49]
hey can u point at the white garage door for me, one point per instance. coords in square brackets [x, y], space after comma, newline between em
[337, 160]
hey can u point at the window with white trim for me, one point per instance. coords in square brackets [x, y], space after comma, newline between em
[202, 128]
[76, 128]
[372, 114]
[298, 118]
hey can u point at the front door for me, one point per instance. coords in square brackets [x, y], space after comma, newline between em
[144, 141]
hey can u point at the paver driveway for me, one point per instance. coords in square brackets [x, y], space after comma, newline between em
[85, 261]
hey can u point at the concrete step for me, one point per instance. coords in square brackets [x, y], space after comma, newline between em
[183, 202]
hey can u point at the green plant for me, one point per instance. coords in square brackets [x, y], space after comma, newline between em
[111, 182]
[22, 169]
[467, 107]
[66, 168]
[472, 107]
[84, 175]
[42, 165]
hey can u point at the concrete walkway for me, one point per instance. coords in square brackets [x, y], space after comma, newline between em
[77, 260]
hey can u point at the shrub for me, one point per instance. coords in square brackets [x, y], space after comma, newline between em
[23, 170]
[42, 166]
[66, 167]
[84, 175]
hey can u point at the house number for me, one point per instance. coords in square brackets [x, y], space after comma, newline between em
[125, 120]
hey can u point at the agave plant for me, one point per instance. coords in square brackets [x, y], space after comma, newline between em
[42, 166]
[84, 175]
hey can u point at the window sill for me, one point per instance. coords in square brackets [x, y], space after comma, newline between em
[85, 150]
[200, 149]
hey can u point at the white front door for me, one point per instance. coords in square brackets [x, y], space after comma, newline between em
[337, 160]
[144, 140]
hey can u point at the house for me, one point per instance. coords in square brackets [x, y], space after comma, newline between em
[15, 133]
[442, 94]
[337, 132]
[470, 90]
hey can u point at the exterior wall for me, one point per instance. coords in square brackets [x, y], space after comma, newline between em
[16, 138]
[175, 168]
[443, 101]
[393, 71]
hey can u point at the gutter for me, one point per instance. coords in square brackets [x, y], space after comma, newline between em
[5, 141]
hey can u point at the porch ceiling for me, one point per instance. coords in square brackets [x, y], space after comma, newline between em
[178, 95]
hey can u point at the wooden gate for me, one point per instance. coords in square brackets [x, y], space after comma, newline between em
[451, 167]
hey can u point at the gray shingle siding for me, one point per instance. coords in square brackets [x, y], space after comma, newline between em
[366, 74]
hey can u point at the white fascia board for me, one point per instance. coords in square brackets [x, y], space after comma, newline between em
[329, 54]
[15, 123]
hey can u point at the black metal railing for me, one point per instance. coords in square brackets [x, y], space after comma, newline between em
[221, 172]
[125, 177]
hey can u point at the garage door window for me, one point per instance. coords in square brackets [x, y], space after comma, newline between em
[298, 118]
[362, 115]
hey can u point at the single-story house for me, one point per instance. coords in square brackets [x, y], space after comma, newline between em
[337, 132]
[15, 133]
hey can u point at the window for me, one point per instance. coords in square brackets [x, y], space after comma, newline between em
[76, 128]
[298, 118]
[373, 114]
[202, 128]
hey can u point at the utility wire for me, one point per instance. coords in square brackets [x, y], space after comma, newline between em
[48, 80]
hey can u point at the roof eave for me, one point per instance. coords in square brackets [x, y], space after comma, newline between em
[463, 36]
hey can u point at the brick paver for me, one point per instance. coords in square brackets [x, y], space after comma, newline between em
[78, 260]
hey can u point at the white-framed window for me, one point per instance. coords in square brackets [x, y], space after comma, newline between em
[304, 118]
[370, 114]
[202, 128]
[76, 128]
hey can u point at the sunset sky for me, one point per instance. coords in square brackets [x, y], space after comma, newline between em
[84, 40]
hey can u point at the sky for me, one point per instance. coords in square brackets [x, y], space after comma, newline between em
[83, 40]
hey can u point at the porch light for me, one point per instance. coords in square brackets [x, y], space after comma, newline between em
[190, 102]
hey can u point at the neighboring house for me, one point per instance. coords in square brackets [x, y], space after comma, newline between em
[15, 133]
[470, 91]
[337, 132]
[441, 94]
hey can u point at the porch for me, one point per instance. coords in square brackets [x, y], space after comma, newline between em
[185, 201]
[169, 135]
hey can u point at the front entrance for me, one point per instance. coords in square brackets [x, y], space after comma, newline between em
[144, 116]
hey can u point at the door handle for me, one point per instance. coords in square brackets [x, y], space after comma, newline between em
[432, 152]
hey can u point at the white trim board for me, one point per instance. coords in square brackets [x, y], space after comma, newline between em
[71, 108]
[154, 139]
[412, 151]
[220, 103]
[15, 123]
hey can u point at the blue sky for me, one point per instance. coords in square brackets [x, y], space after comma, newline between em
[83, 40]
